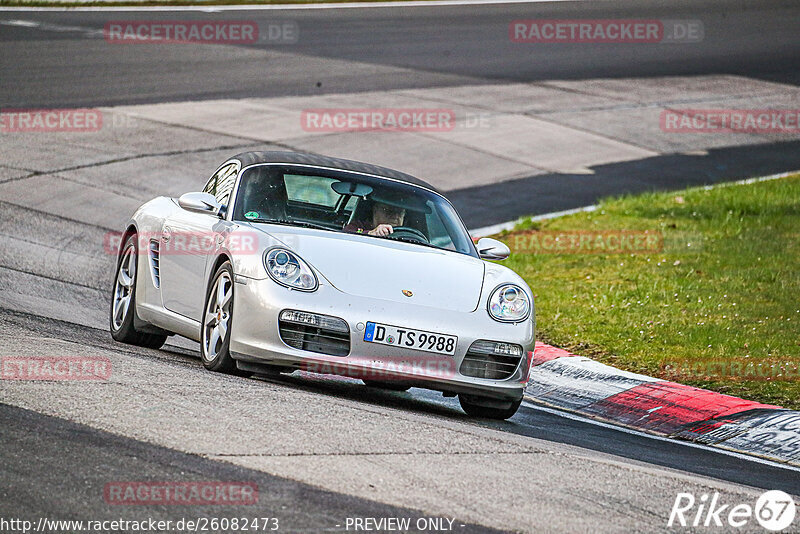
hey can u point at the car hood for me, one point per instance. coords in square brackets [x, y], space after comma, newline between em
[383, 269]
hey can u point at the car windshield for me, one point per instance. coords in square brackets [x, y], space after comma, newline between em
[341, 201]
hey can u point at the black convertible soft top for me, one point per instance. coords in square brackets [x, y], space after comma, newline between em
[274, 156]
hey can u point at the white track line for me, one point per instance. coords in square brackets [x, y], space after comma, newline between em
[47, 27]
[271, 7]
[570, 415]
[497, 228]
[747, 181]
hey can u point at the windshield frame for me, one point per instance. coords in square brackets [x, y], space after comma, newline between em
[332, 172]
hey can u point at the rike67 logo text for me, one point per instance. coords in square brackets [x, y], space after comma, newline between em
[774, 510]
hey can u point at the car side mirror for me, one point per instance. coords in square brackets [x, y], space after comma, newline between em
[200, 203]
[492, 249]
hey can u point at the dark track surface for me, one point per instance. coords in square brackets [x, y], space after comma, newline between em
[492, 203]
[63, 477]
[395, 47]
[442, 46]
[119, 458]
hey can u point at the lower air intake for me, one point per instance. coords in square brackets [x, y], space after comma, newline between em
[315, 333]
[492, 360]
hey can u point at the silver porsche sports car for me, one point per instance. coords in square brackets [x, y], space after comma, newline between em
[292, 262]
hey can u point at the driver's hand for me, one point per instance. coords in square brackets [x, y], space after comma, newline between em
[382, 230]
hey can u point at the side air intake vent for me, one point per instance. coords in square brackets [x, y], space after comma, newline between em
[155, 263]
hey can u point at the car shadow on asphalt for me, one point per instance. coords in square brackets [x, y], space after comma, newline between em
[431, 403]
[548, 426]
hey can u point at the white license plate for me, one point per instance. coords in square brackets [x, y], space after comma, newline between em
[409, 338]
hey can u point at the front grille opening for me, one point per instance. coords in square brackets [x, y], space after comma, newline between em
[492, 360]
[326, 335]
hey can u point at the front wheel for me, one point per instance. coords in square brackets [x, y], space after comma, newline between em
[488, 408]
[217, 321]
[123, 301]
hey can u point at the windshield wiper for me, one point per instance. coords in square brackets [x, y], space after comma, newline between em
[286, 222]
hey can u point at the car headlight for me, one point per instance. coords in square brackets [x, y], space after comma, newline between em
[286, 268]
[509, 304]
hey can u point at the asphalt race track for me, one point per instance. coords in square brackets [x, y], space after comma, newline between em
[392, 48]
[330, 432]
[63, 61]
[324, 449]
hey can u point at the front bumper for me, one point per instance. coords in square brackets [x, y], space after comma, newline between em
[256, 338]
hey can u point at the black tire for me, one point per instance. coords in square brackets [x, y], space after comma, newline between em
[399, 386]
[220, 360]
[121, 314]
[488, 408]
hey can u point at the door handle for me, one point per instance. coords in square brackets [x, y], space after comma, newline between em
[166, 234]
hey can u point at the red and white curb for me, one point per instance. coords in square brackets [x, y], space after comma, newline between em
[598, 391]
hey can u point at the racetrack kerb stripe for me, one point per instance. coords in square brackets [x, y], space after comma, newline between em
[664, 408]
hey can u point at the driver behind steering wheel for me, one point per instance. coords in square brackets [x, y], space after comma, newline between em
[384, 218]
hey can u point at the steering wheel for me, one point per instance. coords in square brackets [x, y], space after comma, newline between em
[406, 232]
